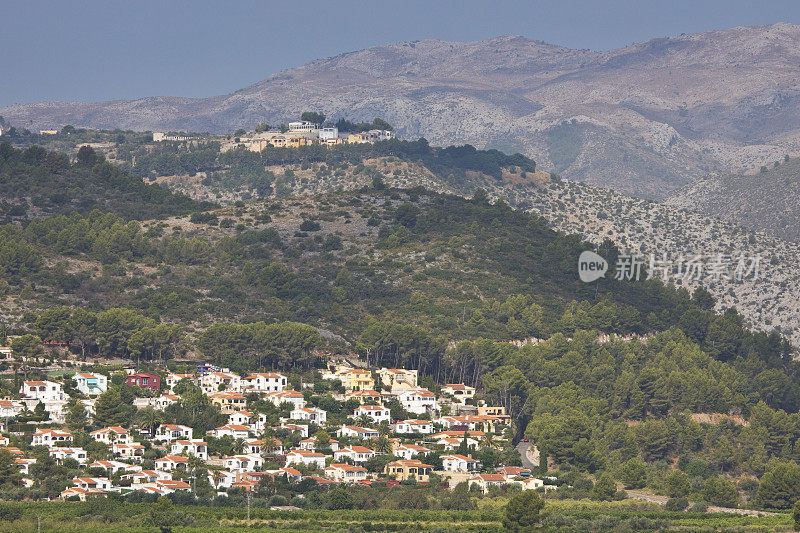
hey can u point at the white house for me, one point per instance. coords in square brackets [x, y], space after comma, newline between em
[263, 382]
[130, 452]
[168, 432]
[484, 481]
[24, 464]
[412, 425]
[294, 398]
[300, 428]
[345, 473]
[244, 463]
[172, 379]
[358, 432]
[98, 483]
[90, 384]
[376, 413]
[418, 401]
[171, 462]
[408, 451]
[112, 434]
[196, 447]
[240, 418]
[220, 381]
[234, 430]
[50, 437]
[459, 463]
[44, 391]
[115, 466]
[61, 453]
[9, 408]
[311, 414]
[356, 454]
[305, 457]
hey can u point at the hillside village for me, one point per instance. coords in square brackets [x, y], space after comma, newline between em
[342, 424]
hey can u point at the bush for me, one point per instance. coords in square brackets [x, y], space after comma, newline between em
[699, 507]
[677, 504]
[309, 225]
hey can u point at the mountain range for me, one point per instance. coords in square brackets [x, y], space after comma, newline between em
[646, 119]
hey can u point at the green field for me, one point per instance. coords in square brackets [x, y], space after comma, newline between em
[569, 515]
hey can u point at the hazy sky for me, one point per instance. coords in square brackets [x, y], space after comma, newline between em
[105, 50]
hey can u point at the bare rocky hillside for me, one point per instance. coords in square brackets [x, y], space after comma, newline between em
[645, 119]
[768, 201]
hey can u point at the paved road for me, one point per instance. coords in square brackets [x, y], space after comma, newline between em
[529, 454]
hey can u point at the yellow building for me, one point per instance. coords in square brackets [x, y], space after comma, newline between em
[228, 402]
[405, 468]
[355, 379]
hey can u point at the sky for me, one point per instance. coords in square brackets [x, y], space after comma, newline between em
[107, 50]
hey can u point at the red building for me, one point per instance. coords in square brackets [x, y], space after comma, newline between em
[145, 380]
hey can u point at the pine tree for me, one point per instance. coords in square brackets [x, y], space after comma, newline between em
[110, 409]
[76, 414]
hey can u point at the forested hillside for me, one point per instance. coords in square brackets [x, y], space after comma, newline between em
[437, 282]
[35, 183]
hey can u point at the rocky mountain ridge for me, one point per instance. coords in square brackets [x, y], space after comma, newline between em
[645, 119]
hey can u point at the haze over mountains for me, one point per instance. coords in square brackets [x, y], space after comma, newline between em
[645, 119]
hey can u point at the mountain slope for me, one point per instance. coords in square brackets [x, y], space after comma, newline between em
[646, 119]
[768, 201]
[36, 183]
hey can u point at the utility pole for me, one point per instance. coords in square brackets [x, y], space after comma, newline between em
[248, 506]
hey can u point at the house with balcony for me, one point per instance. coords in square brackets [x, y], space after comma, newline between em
[408, 451]
[460, 392]
[345, 473]
[375, 413]
[263, 382]
[129, 452]
[305, 457]
[59, 453]
[413, 426]
[228, 402]
[50, 437]
[355, 454]
[90, 384]
[145, 380]
[170, 463]
[459, 463]
[196, 447]
[357, 432]
[294, 398]
[168, 432]
[235, 431]
[398, 379]
[243, 463]
[220, 381]
[112, 434]
[405, 469]
[418, 401]
[310, 414]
